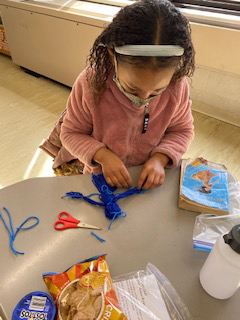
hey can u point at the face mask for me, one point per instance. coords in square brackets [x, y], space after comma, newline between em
[135, 99]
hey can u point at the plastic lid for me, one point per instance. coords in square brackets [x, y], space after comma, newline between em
[35, 305]
[233, 238]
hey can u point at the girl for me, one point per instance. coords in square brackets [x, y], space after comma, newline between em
[131, 105]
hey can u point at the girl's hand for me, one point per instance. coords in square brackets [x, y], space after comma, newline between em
[114, 170]
[153, 173]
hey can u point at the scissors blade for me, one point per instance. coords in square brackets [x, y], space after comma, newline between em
[87, 226]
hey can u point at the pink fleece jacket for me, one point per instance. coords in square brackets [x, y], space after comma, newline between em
[116, 123]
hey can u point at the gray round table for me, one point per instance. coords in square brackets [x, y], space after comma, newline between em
[155, 231]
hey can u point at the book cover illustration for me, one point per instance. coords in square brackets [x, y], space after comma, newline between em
[206, 184]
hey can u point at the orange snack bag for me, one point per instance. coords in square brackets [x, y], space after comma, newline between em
[84, 292]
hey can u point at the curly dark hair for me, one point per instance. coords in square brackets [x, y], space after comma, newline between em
[144, 22]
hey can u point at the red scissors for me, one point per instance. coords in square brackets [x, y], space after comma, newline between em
[70, 222]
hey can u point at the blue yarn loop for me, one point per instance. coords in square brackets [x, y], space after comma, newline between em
[10, 228]
[107, 197]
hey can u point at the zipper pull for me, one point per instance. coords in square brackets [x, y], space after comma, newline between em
[146, 119]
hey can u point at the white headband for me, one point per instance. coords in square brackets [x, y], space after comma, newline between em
[150, 50]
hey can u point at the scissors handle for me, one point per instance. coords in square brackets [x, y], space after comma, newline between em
[62, 225]
[69, 218]
[65, 221]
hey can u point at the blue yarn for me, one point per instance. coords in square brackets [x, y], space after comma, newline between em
[128, 193]
[79, 195]
[100, 181]
[116, 215]
[100, 239]
[107, 197]
[10, 229]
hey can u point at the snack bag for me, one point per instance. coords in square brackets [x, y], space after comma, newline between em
[84, 292]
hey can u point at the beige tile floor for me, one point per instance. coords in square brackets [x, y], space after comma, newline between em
[30, 106]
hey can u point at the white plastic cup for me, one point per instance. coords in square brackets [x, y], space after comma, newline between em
[220, 274]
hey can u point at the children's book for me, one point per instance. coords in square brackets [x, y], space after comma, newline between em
[204, 187]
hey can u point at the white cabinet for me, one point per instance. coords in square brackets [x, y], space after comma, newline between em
[51, 40]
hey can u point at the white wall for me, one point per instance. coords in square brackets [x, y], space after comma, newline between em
[215, 89]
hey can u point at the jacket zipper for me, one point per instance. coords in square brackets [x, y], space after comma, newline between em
[146, 118]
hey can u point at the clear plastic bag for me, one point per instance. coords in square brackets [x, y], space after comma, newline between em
[208, 227]
[234, 195]
[147, 294]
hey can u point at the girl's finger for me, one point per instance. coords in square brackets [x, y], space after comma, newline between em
[116, 182]
[122, 180]
[149, 181]
[142, 178]
[156, 182]
[109, 181]
[161, 179]
[126, 177]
